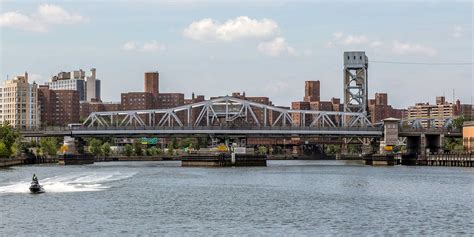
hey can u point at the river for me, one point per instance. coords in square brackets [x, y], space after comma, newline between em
[285, 198]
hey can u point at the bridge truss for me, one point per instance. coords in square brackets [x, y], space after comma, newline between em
[227, 111]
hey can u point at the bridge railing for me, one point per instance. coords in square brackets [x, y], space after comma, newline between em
[198, 128]
[428, 130]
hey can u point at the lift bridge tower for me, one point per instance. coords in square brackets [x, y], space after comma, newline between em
[355, 82]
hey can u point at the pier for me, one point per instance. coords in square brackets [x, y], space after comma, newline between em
[224, 160]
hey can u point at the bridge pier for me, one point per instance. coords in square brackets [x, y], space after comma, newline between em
[390, 138]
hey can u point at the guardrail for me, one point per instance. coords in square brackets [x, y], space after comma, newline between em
[199, 128]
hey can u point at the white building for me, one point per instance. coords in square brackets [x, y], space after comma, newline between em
[87, 86]
[19, 103]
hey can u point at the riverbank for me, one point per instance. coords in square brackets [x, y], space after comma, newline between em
[7, 162]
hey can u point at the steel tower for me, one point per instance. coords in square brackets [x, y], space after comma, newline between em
[355, 82]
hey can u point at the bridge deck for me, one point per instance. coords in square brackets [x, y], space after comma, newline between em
[249, 131]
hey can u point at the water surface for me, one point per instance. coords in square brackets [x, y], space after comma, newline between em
[285, 198]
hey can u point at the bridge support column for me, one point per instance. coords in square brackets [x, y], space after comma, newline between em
[390, 135]
[69, 146]
[366, 146]
[344, 145]
[441, 143]
[423, 144]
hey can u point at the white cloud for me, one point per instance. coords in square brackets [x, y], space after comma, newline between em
[375, 44]
[241, 27]
[53, 14]
[354, 39]
[129, 46]
[45, 16]
[22, 22]
[276, 87]
[345, 39]
[342, 39]
[276, 47]
[150, 46]
[458, 31]
[408, 48]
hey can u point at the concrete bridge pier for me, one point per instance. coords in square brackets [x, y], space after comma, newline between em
[425, 143]
[414, 145]
[73, 145]
[366, 146]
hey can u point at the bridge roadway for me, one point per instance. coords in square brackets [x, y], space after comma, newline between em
[248, 131]
[255, 131]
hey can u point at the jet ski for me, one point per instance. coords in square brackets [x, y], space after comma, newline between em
[35, 187]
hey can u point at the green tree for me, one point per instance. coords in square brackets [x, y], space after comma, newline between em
[49, 145]
[105, 149]
[262, 150]
[138, 149]
[186, 143]
[458, 122]
[170, 150]
[152, 151]
[95, 147]
[159, 151]
[174, 143]
[353, 149]
[8, 135]
[128, 150]
[453, 144]
[3, 150]
[333, 149]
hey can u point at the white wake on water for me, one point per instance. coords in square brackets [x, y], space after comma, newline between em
[83, 182]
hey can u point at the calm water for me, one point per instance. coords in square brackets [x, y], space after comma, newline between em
[285, 198]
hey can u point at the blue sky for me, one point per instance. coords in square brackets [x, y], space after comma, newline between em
[265, 48]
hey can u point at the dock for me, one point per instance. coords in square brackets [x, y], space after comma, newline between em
[224, 160]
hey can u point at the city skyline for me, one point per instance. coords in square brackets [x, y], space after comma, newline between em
[243, 43]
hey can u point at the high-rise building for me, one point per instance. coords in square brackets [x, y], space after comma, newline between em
[19, 102]
[138, 100]
[87, 86]
[58, 107]
[86, 108]
[312, 91]
[152, 83]
[379, 109]
[300, 105]
[169, 100]
[437, 113]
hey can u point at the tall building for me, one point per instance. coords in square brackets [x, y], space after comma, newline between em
[86, 108]
[87, 86]
[138, 100]
[312, 91]
[19, 102]
[438, 113]
[152, 83]
[58, 107]
[379, 109]
[300, 105]
[259, 113]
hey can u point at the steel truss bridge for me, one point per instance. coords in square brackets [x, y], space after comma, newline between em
[228, 116]
[227, 111]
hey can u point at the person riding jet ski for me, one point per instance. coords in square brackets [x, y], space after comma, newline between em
[35, 186]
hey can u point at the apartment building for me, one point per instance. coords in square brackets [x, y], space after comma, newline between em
[19, 102]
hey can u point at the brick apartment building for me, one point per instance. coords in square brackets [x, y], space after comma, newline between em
[58, 107]
[439, 112]
[379, 109]
[86, 108]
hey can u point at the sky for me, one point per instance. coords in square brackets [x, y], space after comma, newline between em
[265, 48]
